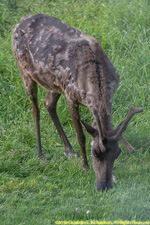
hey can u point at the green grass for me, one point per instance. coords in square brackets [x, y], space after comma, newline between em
[37, 192]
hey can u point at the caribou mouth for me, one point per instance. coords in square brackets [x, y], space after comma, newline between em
[103, 186]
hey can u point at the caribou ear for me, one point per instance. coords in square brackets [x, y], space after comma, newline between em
[93, 132]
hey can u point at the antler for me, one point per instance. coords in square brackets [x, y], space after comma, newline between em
[123, 126]
[99, 130]
[127, 144]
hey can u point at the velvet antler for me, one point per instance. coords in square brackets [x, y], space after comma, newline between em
[123, 126]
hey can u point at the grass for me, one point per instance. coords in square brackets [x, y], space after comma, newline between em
[37, 192]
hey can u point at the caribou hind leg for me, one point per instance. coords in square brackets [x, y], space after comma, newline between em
[31, 88]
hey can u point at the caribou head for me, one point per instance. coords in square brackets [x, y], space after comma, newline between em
[105, 149]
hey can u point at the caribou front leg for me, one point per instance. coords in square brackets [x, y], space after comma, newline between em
[50, 103]
[74, 112]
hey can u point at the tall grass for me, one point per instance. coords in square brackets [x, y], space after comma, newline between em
[37, 192]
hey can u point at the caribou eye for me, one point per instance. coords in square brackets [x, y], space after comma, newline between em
[95, 154]
[119, 152]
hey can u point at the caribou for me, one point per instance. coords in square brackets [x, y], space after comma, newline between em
[66, 61]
